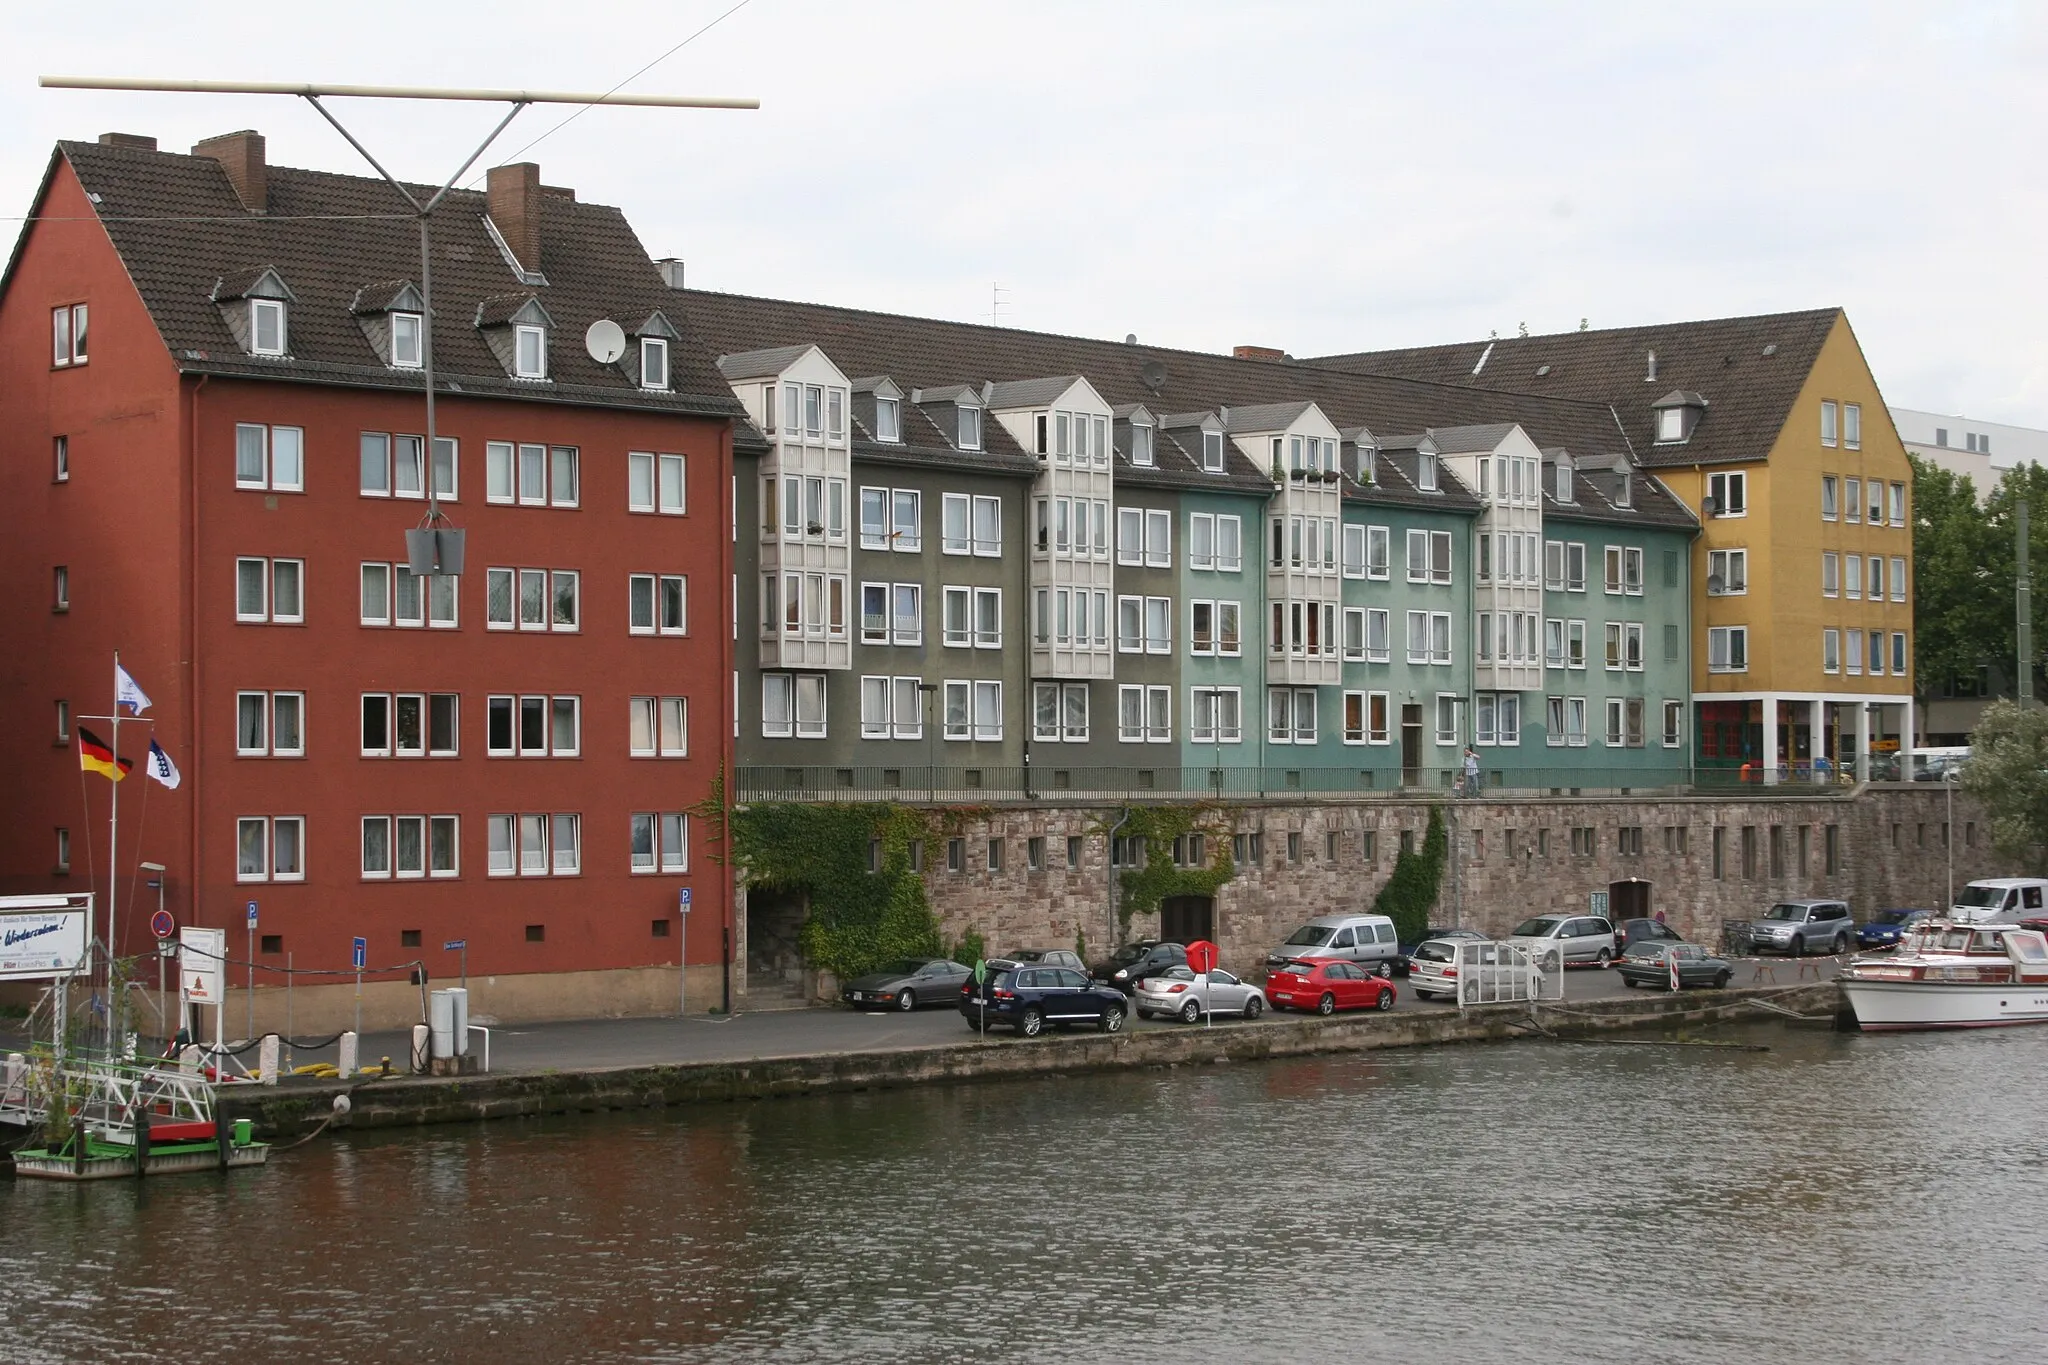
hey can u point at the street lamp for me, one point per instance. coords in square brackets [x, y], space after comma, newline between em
[162, 989]
[1948, 832]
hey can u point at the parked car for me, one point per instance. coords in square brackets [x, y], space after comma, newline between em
[1648, 963]
[906, 984]
[1886, 928]
[1799, 926]
[1554, 941]
[1438, 972]
[1327, 985]
[1029, 998]
[1185, 994]
[1134, 962]
[1633, 931]
[1367, 939]
[1405, 963]
[1049, 957]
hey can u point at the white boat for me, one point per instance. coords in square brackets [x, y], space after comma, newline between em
[1952, 976]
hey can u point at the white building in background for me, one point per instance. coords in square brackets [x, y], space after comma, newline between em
[1981, 450]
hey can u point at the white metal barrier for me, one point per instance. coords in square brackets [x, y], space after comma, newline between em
[1492, 973]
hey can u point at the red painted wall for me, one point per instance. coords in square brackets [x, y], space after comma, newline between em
[128, 513]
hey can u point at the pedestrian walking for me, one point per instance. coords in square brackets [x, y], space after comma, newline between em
[1471, 771]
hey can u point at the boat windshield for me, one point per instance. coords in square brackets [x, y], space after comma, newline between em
[1981, 897]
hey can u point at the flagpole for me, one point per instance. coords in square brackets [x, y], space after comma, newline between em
[114, 857]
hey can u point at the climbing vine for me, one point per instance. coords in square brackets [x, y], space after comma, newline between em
[1410, 893]
[1142, 888]
[858, 919]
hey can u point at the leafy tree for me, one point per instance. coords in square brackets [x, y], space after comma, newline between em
[2000, 563]
[1956, 609]
[2008, 774]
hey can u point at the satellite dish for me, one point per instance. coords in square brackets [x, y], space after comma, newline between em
[606, 341]
[1153, 373]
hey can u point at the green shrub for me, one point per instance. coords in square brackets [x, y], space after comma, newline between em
[1410, 893]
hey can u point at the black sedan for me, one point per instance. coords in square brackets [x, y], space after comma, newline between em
[907, 983]
[1134, 962]
[1648, 963]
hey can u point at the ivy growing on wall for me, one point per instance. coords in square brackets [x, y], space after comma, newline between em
[858, 919]
[1141, 889]
[1410, 893]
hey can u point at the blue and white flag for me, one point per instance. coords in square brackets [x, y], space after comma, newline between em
[129, 698]
[159, 766]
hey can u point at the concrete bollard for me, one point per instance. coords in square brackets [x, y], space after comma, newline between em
[347, 1064]
[420, 1048]
[267, 1067]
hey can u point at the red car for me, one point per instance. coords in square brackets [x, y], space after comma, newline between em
[1327, 985]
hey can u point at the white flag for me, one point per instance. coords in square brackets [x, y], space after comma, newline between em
[127, 696]
[159, 766]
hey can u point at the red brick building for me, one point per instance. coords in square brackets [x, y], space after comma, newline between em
[209, 465]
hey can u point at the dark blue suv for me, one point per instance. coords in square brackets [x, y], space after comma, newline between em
[1028, 998]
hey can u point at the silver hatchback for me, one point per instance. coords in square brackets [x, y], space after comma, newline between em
[1799, 927]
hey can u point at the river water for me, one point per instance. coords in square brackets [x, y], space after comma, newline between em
[1837, 1198]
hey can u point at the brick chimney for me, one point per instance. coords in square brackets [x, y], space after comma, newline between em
[1266, 353]
[140, 142]
[241, 156]
[513, 197]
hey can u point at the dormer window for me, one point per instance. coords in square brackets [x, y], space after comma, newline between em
[1141, 445]
[1425, 472]
[653, 362]
[1671, 424]
[530, 352]
[888, 419]
[405, 341]
[1624, 488]
[1212, 451]
[1678, 415]
[266, 326]
[1564, 482]
[970, 428]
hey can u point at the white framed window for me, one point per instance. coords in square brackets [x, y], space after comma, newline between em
[1418, 556]
[1853, 575]
[1853, 500]
[1354, 551]
[1450, 719]
[535, 844]
[529, 352]
[1674, 724]
[1418, 637]
[1614, 722]
[970, 428]
[1354, 634]
[956, 524]
[1854, 660]
[658, 727]
[1212, 451]
[1141, 445]
[1897, 504]
[655, 483]
[271, 591]
[1059, 712]
[1574, 644]
[1215, 715]
[1830, 573]
[1378, 632]
[956, 617]
[1728, 649]
[1158, 538]
[1828, 422]
[1377, 549]
[270, 724]
[888, 419]
[1354, 725]
[1876, 641]
[1159, 625]
[1575, 566]
[67, 327]
[1730, 494]
[1873, 490]
[406, 344]
[1291, 715]
[1201, 540]
[1830, 497]
[654, 363]
[266, 327]
[270, 848]
[1899, 653]
[1632, 646]
[810, 706]
[658, 842]
[1553, 643]
[1730, 568]
[1614, 646]
[657, 604]
[778, 705]
[1439, 637]
[1898, 578]
[1144, 714]
[272, 458]
[1130, 535]
[988, 527]
[1632, 570]
[1425, 472]
[1852, 426]
[1831, 650]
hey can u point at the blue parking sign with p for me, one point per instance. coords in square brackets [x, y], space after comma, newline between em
[683, 900]
[252, 914]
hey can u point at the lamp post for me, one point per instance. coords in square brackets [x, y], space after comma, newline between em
[1948, 831]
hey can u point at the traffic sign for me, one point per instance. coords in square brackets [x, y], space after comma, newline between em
[1202, 955]
[683, 901]
[163, 924]
[454, 943]
[252, 914]
[360, 953]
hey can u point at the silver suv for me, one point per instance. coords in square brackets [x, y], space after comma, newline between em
[1804, 926]
[1554, 941]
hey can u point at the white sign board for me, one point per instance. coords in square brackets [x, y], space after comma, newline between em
[201, 979]
[45, 941]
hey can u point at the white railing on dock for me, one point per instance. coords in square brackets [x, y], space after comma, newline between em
[1492, 973]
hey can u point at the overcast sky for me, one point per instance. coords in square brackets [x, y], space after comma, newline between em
[1315, 176]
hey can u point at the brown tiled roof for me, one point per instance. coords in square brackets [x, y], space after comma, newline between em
[179, 228]
[1749, 369]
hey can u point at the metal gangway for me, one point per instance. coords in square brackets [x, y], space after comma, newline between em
[103, 1097]
[1498, 973]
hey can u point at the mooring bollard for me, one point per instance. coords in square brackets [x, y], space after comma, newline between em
[267, 1067]
[347, 1063]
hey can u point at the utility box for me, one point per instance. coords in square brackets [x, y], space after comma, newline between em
[448, 1032]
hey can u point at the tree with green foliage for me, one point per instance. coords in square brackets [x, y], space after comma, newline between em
[1411, 892]
[2008, 775]
[1956, 614]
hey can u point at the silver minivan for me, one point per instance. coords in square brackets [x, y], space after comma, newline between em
[1368, 940]
[1554, 941]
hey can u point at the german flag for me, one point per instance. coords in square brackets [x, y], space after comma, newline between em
[95, 757]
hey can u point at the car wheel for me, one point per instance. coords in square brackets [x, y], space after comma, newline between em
[906, 1001]
[1032, 1024]
[1720, 980]
[1190, 1012]
[1628, 981]
[1383, 1001]
[1327, 1005]
[1112, 1020]
[1605, 956]
[1253, 1007]
[1798, 946]
[1841, 944]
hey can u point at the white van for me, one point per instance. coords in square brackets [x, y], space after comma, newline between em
[2001, 900]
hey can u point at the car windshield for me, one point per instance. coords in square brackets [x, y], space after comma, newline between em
[1536, 928]
[1787, 912]
[902, 966]
[1130, 953]
[1436, 950]
[1892, 916]
[1981, 897]
[1310, 936]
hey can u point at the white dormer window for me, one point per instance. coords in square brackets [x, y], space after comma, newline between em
[1425, 472]
[653, 363]
[266, 326]
[1212, 451]
[405, 341]
[1671, 424]
[530, 352]
[1141, 445]
[1624, 489]
[970, 428]
[1564, 482]
[888, 419]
